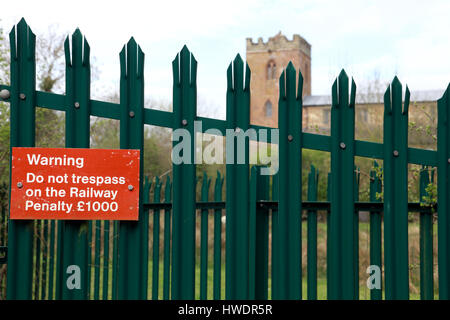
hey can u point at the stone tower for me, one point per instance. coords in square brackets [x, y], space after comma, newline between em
[266, 61]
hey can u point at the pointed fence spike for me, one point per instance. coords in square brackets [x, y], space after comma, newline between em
[406, 103]
[334, 95]
[176, 70]
[67, 52]
[123, 63]
[193, 73]
[141, 60]
[230, 76]
[86, 53]
[353, 94]
[300, 86]
[343, 75]
[12, 43]
[282, 85]
[387, 101]
[248, 74]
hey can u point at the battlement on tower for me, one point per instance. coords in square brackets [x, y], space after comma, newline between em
[279, 42]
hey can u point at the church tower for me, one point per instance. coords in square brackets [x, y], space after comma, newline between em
[266, 61]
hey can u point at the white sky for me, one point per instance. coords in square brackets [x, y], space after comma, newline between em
[410, 39]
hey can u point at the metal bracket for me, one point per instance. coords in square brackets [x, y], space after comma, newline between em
[3, 255]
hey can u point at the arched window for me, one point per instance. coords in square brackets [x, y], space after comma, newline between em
[268, 108]
[271, 70]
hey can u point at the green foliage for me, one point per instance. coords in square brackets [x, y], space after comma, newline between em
[430, 199]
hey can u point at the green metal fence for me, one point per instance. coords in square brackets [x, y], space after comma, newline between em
[257, 252]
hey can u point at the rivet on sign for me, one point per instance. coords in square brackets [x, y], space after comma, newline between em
[448, 160]
[290, 137]
[22, 96]
[77, 105]
[395, 153]
[5, 94]
[184, 122]
[131, 114]
[19, 185]
[130, 187]
[342, 145]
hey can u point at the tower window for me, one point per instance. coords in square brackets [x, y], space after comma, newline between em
[268, 108]
[271, 70]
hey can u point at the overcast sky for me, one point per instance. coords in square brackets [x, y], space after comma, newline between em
[410, 39]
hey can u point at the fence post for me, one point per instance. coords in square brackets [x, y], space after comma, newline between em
[275, 283]
[131, 137]
[443, 153]
[426, 241]
[204, 239]
[290, 175]
[184, 111]
[313, 181]
[356, 175]
[395, 175]
[342, 222]
[22, 117]
[237, 181]
[375, 230]
[218, 238]
[75, 233]
[144, 236]
[156, 214]
[328, 236]
[167, 220]
[258, 236]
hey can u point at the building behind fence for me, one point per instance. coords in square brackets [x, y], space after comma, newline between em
[256, 252]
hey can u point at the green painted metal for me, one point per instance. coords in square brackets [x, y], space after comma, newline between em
[275, 239]
[258, 236]
[184, 68]
[247, 211]
[328, 236]
[204, 239]
[395, 175]
[51, 260]
[156, 228]
[357, 174]
[342, 222]
[252, 233]
[167, 220]
[290, 185]
[115, 259]
[131, 137]
[106, 226]
[45, 255]
[426, 241]
[237, 182]
[165, 119]
[262, 238]
[375, 228]
[22, 117]
[313, 182]
[98, 227]
[443, 194]
[74, 233]
[145, 236]
[217, 275]
[37, 258]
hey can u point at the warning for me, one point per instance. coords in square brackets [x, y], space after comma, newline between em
[74, 184]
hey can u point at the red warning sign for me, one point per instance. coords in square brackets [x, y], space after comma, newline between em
[74, 184]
